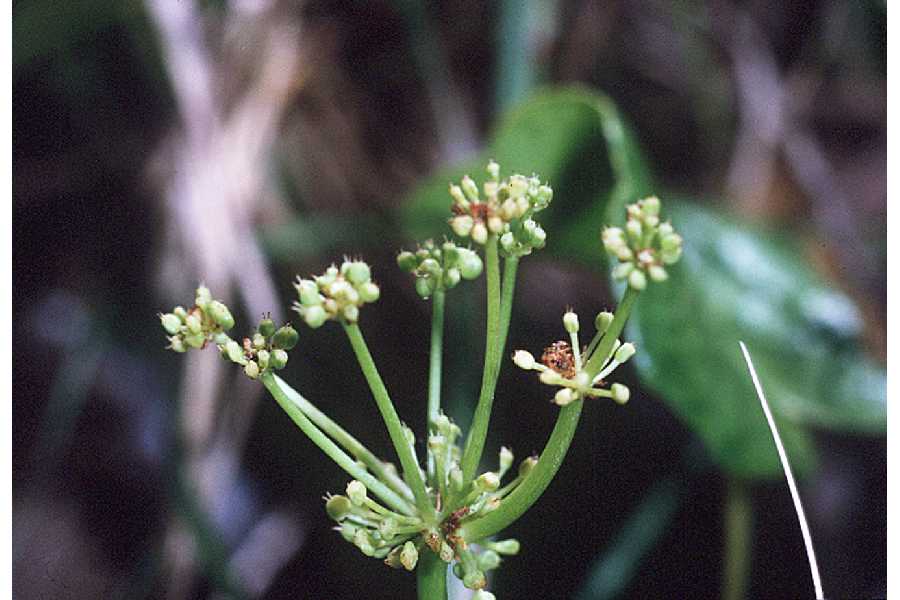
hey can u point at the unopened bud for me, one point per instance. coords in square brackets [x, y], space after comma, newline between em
[356, 272]
[625, 352]
[657, 273]
[425, 286]
[278, 359]
[263, 357]
[409, 556]
[315, 316]
[235, 353]
[220, 314]
[493, 169]
[193, 323]
[351, 313]
[564, 397]
[369, 292]
[620, 393]
[338, 507]
[479, 233]
[622, 270]
[524, 359]
[508, 547]
[266, 327]
[483, 595]
[406, 261]
[462, 225]
[457, 194]
[489, 560]
[487, 482]
[251, 369]
[470, 264]
[469, 188]
[203, 297]
[637, 280]
[356, 491]
[506, 460]
[285, 338]
[603, 320]
[570, 322]
[170, 322]
[308, 292]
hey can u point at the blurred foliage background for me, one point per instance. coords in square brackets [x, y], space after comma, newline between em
[241, 142]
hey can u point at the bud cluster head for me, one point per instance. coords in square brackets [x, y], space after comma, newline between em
[206, 321]
[563, 364]
[266, 350]
[644, 247]
[337, 294]
[439, 267]
[505, 210]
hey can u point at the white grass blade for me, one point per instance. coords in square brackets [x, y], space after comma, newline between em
[792, 485]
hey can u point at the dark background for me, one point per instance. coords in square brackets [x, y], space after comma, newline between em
[336, 111]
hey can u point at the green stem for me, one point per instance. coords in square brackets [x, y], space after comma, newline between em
[431, 576]
[332, 450]
[738, 517]
[412, 473]
[435, 359]
[524, 496]
[510, 268]
[481, 419]
[377, 466]
[595, 362]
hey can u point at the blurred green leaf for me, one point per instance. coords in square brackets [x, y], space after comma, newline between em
[571, 137]
[737, 283]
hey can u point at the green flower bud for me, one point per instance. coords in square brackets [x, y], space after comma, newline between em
[278, 359]
[356, 272]
[176, 344]
[570, 322]
[526, 466]
[493, 169]
[263, 357]
[508, 242]
[479, 233]
[338, 507]
[650, 206]
[670, 257]
[308, 292]
[483, 595]
[451, 278]
[506, 460]
[470, 264]
[431, 267]
[369, 292]
[393, 558]
[544, 197]
[314, 316]
[220, 314]
[457, 483]
[180, 312]
[351, 313]
[620, 393]
[489, 560]
[362, 541]
[462, 225]
[657, 273]
[495, 224]
[637, 280]
[603, 320]
[665, 229]
[487, 482]
[409, 556]
[348, 531]
[259, 341]
[508, 547]
[538, 237]
[625, 352]
[634, 230]
[203, 297]
[469, 188]
[670, 242]
[251, 369]
[450, 252]
[524, 359]
[474, 580]
[550, 377]
[446, 552]
[195, 340]
[425, 286]
[170, 322]
[220, 338]
[387, 528]
[357, 492]
[457, 194]
[266, 327]
[407, 261]
[193, 323]
[285, 338]
[622, 270]
[564, 397]
[235, 353]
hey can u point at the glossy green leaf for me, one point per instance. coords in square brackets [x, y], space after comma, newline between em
[737, 283]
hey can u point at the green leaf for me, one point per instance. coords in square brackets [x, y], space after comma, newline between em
[571, 137]
[737, 283]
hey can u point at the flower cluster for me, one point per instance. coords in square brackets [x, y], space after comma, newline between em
[644, 247]
[563, 364]
[265, 351]
[338, 294]
[505, 211]
[439, 267]
[207, 321]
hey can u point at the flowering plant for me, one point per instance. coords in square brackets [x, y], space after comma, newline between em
[444, 512]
